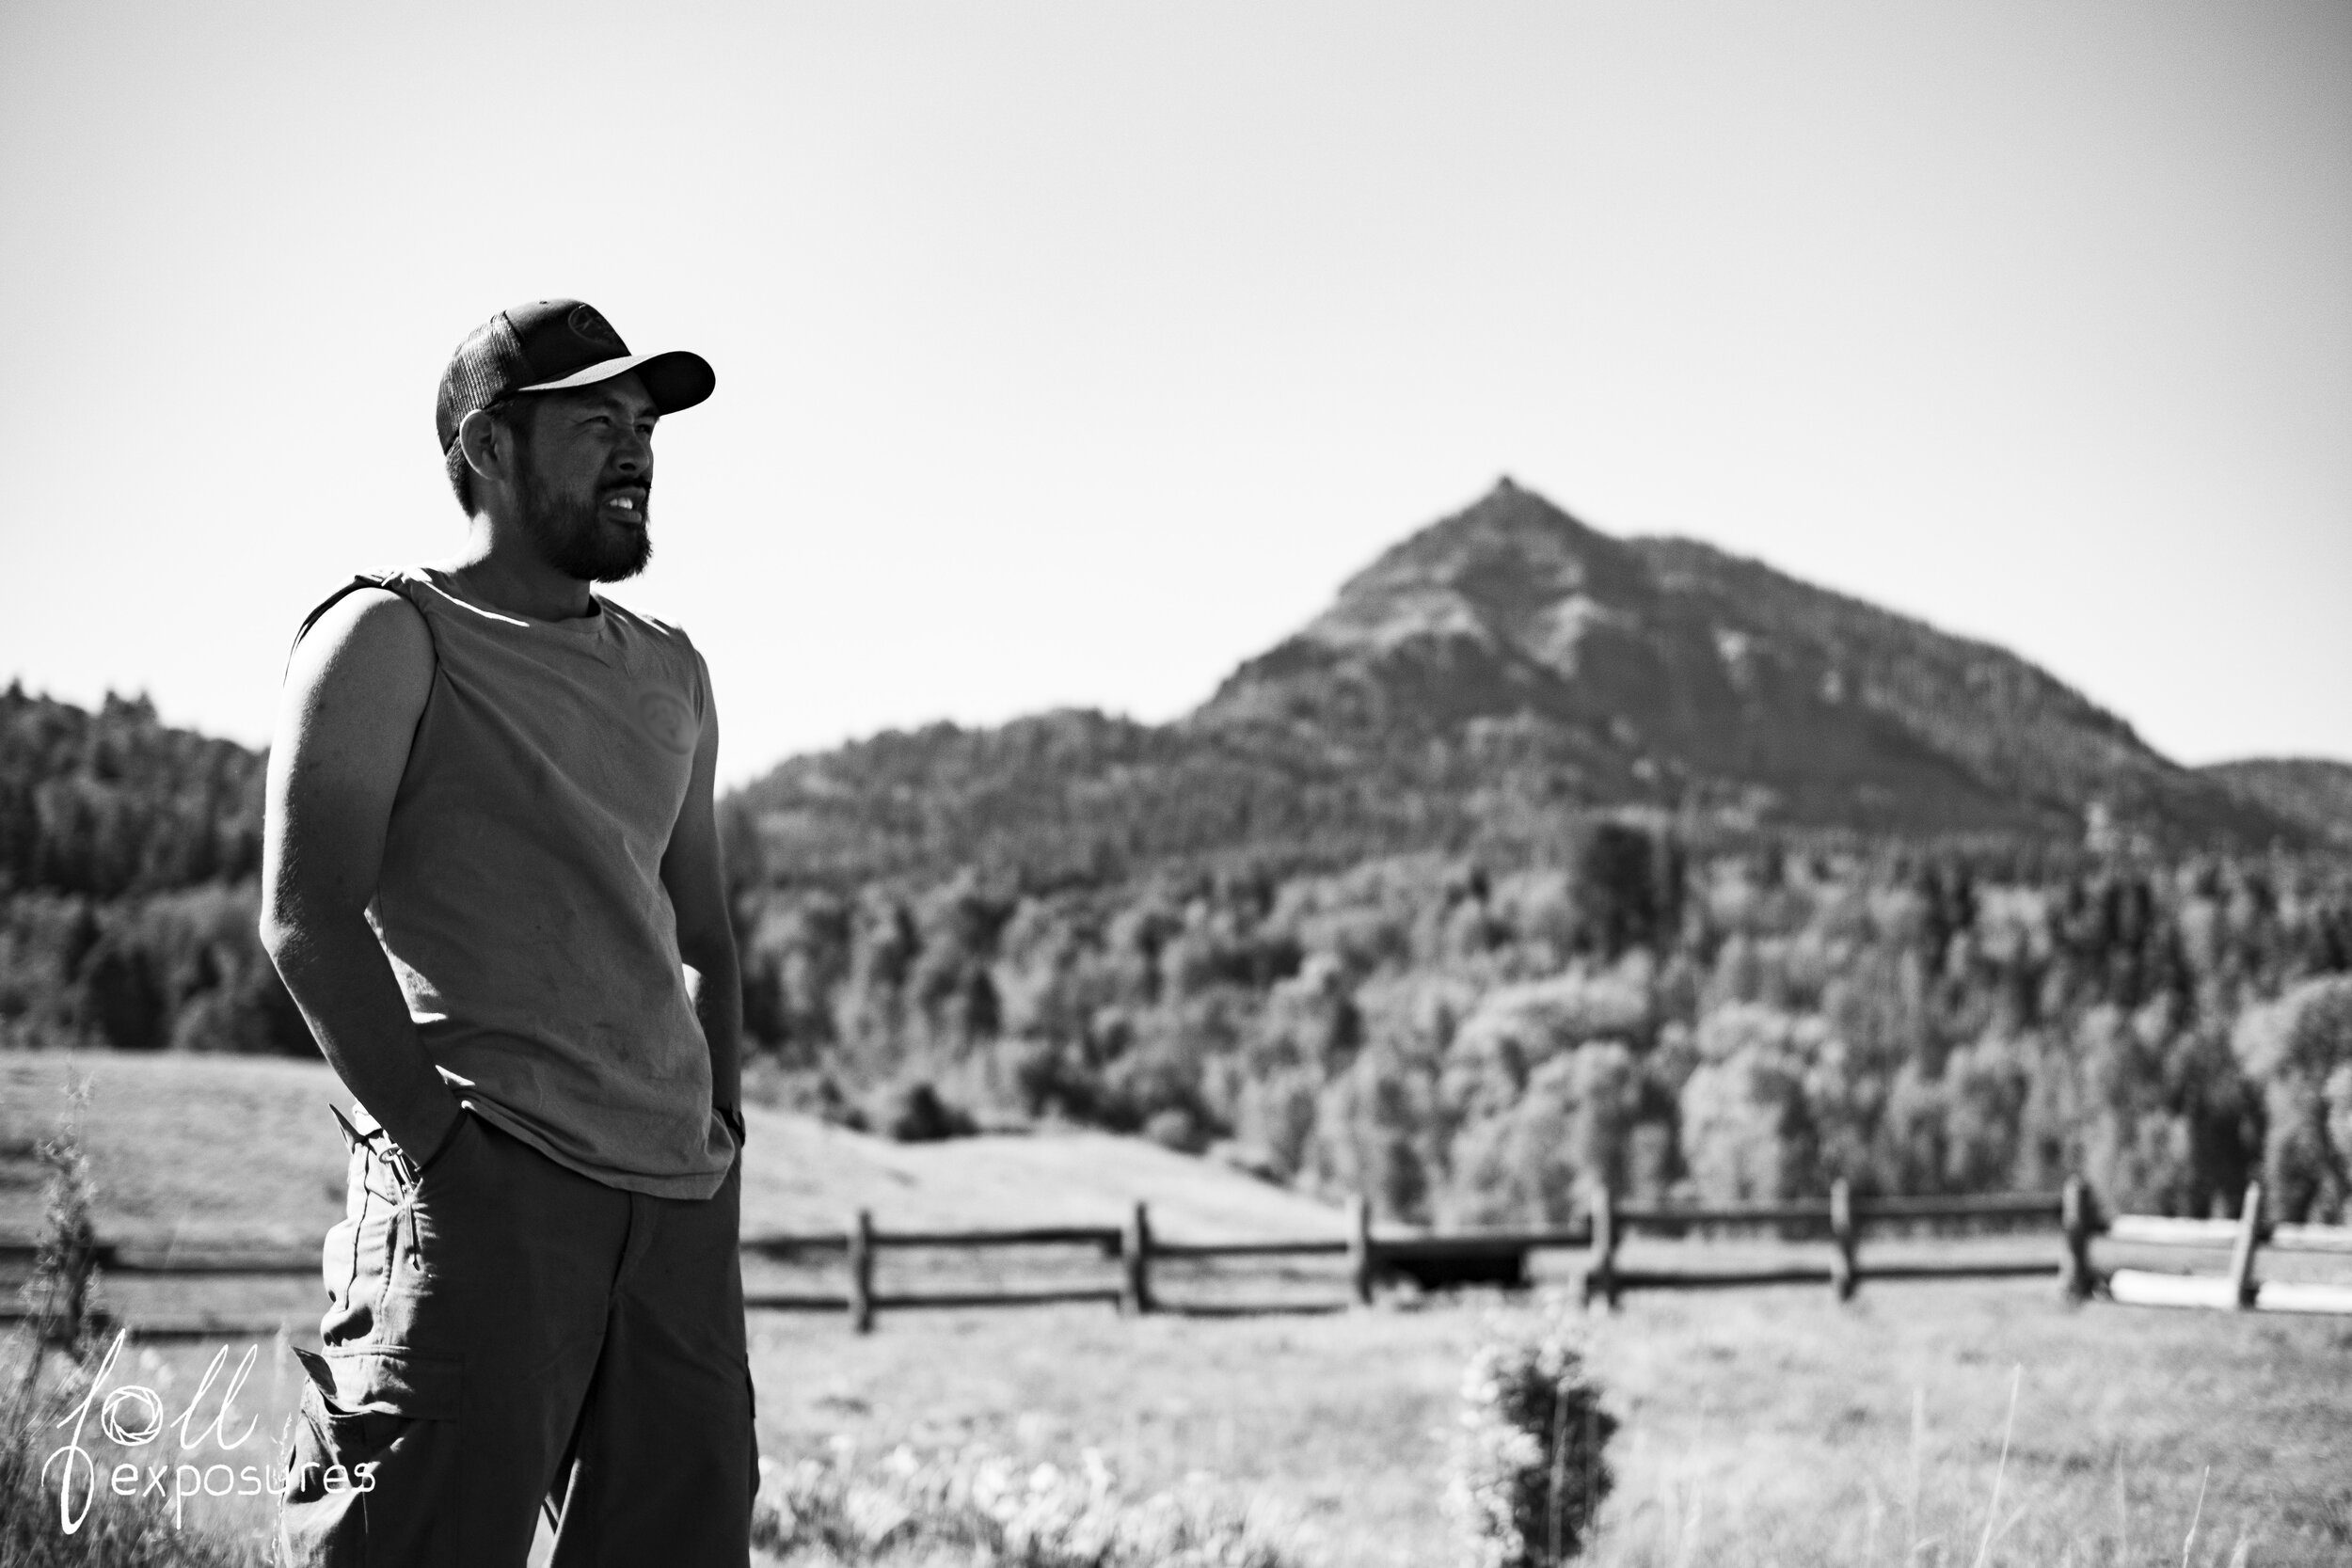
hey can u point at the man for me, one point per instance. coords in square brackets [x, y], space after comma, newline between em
[491, 880]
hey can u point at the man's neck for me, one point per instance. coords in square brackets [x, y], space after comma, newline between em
[516, 582]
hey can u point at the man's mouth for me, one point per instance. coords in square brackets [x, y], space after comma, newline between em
[625, 505]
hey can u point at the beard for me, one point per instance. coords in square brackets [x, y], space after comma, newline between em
[574, 538]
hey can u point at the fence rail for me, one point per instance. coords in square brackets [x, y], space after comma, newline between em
[2157, 1231]
[2239, 1289]
[1435, 1260]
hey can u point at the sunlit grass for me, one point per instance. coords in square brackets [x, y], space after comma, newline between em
[1765, 1428]
[1758, 1427]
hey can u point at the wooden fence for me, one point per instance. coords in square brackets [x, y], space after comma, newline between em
[2238, 1289]
[1371, 1258]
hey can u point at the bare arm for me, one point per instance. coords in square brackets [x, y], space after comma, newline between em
[706, 934]
[354, 690]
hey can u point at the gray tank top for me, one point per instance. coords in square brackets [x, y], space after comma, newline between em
[520, 900]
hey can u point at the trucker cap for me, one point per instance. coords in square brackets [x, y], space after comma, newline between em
[551, 344]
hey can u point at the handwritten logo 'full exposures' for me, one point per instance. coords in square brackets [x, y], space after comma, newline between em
[134, 1415]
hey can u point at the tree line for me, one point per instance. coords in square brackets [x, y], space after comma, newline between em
[129, 853]
[1467, 1034]
[1480, 1044]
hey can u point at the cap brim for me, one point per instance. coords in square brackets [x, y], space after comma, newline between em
[674, 380]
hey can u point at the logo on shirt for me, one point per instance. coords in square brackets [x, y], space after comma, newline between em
[666, 716]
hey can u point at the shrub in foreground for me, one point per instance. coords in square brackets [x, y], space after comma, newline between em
[1527, 1473]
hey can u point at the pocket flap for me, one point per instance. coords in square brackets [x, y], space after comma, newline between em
[386, 1379]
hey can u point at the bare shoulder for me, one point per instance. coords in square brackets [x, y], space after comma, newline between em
[369, 647]
[356, 684]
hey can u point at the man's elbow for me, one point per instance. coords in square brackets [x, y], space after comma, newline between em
[284, 922]
[276, 930]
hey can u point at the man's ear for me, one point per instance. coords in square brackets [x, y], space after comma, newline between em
[488, 446]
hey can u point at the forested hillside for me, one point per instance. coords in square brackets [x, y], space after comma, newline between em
[1542, 858]
[128, 857]
[113, 802]
[1477, 1045]
[2312, 791]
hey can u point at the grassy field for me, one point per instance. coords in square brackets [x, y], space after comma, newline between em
[1759, 1427]
[208, 1146]
[1767, 1427]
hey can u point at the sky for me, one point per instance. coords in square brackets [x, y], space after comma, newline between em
[1072, 354]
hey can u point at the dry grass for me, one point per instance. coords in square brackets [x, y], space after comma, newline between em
[191, 1144]
[1760, 1427]
[202, 1145]
[1765, 1427]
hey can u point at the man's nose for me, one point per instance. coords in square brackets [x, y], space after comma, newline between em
[634, 454]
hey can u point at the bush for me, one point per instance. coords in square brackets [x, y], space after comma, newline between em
[1526, 1474]
[1178, 1128]
[62, 1295]
[913, 1113]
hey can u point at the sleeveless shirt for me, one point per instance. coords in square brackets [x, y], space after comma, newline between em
[520, 900]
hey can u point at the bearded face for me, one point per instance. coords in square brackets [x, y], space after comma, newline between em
[570, 513]
[574, 536]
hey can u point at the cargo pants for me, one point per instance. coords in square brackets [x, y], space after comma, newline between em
[504, 1334]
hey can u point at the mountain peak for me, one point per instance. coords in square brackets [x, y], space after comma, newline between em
[1502, 673]
[1509, 571]
[1668, 673]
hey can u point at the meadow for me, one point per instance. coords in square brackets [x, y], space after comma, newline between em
[203, 1147]
[1766, 1425]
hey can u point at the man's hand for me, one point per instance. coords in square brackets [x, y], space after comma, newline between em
[355, 687]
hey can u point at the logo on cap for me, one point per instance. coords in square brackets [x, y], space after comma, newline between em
[587, 322]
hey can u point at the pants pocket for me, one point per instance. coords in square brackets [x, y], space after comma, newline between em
[373, 1469]
[362, 1249]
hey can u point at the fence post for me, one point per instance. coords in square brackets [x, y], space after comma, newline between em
[2249, 1224]
[1600, 1272]
[1134, 1257]
[2074, 1276]
[1360, 1259]
[862, 1272]
[1845, 1275]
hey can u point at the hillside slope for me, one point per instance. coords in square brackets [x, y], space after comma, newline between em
[2312, 790]
[204, 1147]
[115, 801]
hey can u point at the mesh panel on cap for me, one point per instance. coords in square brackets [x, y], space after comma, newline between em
[487, 364]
